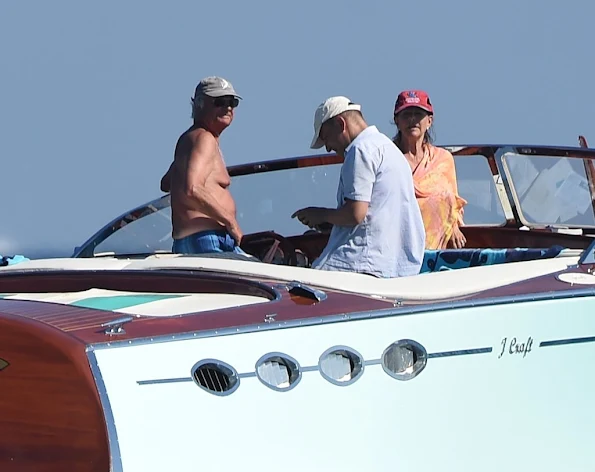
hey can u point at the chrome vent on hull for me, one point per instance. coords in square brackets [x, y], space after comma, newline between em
[215, 377]
[278, 371]
[404, 359]
[341, 365]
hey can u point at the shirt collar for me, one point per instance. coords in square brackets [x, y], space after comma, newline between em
[370, 129]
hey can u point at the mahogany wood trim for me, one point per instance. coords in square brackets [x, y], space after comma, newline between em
[51, 417]
[86, 323]
[541, 284]
[162, 281]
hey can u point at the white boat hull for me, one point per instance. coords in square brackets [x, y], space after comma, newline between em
[492, 396]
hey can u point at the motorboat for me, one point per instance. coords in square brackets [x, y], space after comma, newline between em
[126, 357]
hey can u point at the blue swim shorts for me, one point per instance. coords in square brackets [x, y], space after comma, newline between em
[207, 242]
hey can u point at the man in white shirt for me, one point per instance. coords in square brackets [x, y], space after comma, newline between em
[377, 225]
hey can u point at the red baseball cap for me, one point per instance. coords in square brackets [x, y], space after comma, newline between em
[413, 98]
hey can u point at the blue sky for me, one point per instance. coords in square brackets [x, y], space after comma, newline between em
[94, 95]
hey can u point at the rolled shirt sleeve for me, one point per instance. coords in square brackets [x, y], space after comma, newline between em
[359, 174]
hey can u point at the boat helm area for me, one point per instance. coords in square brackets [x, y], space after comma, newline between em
[524, 202]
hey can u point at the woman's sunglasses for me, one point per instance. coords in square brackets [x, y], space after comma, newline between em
[413, 112]
[226, 102]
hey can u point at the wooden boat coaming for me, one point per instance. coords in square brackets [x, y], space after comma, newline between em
[85, 323]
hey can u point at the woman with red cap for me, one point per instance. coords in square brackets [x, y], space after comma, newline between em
[433, 171]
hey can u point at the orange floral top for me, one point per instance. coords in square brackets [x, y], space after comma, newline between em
[437, 194]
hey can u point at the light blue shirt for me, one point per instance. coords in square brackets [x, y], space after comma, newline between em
[390, 241]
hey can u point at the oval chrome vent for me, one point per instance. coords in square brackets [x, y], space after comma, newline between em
[404, 359]
[278, 371]
[341, 365]
[215, 377]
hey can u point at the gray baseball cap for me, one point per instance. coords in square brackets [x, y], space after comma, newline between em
[215, 87]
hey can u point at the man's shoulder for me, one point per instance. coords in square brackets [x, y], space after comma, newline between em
[194, 144]
[196, 135]
[371, 137]
[374, 144]
[198, 139]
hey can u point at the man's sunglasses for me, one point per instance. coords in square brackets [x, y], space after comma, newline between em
[226, 102]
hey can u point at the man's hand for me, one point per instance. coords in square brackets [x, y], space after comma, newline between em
[457, 240]
[311, 216]
[235, 232]
[324, 228]
[352, 213]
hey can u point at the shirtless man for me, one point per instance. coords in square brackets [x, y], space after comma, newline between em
[203, 210]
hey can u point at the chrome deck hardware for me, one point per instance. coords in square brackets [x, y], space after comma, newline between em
[114, 327]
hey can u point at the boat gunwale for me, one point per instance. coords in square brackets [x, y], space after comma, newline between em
[397, 310]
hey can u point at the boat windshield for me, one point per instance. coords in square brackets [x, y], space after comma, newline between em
[551, 190]
[266, 200]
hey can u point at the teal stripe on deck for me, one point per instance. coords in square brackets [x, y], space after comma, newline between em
[118, 302]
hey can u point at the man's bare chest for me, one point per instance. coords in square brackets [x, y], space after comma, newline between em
[219, 175]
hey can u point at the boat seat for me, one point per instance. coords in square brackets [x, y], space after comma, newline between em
[448, 259]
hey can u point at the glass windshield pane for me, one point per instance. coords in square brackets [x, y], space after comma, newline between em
[551, 190]
[476, 185]
[266, 201]
[148, 234]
